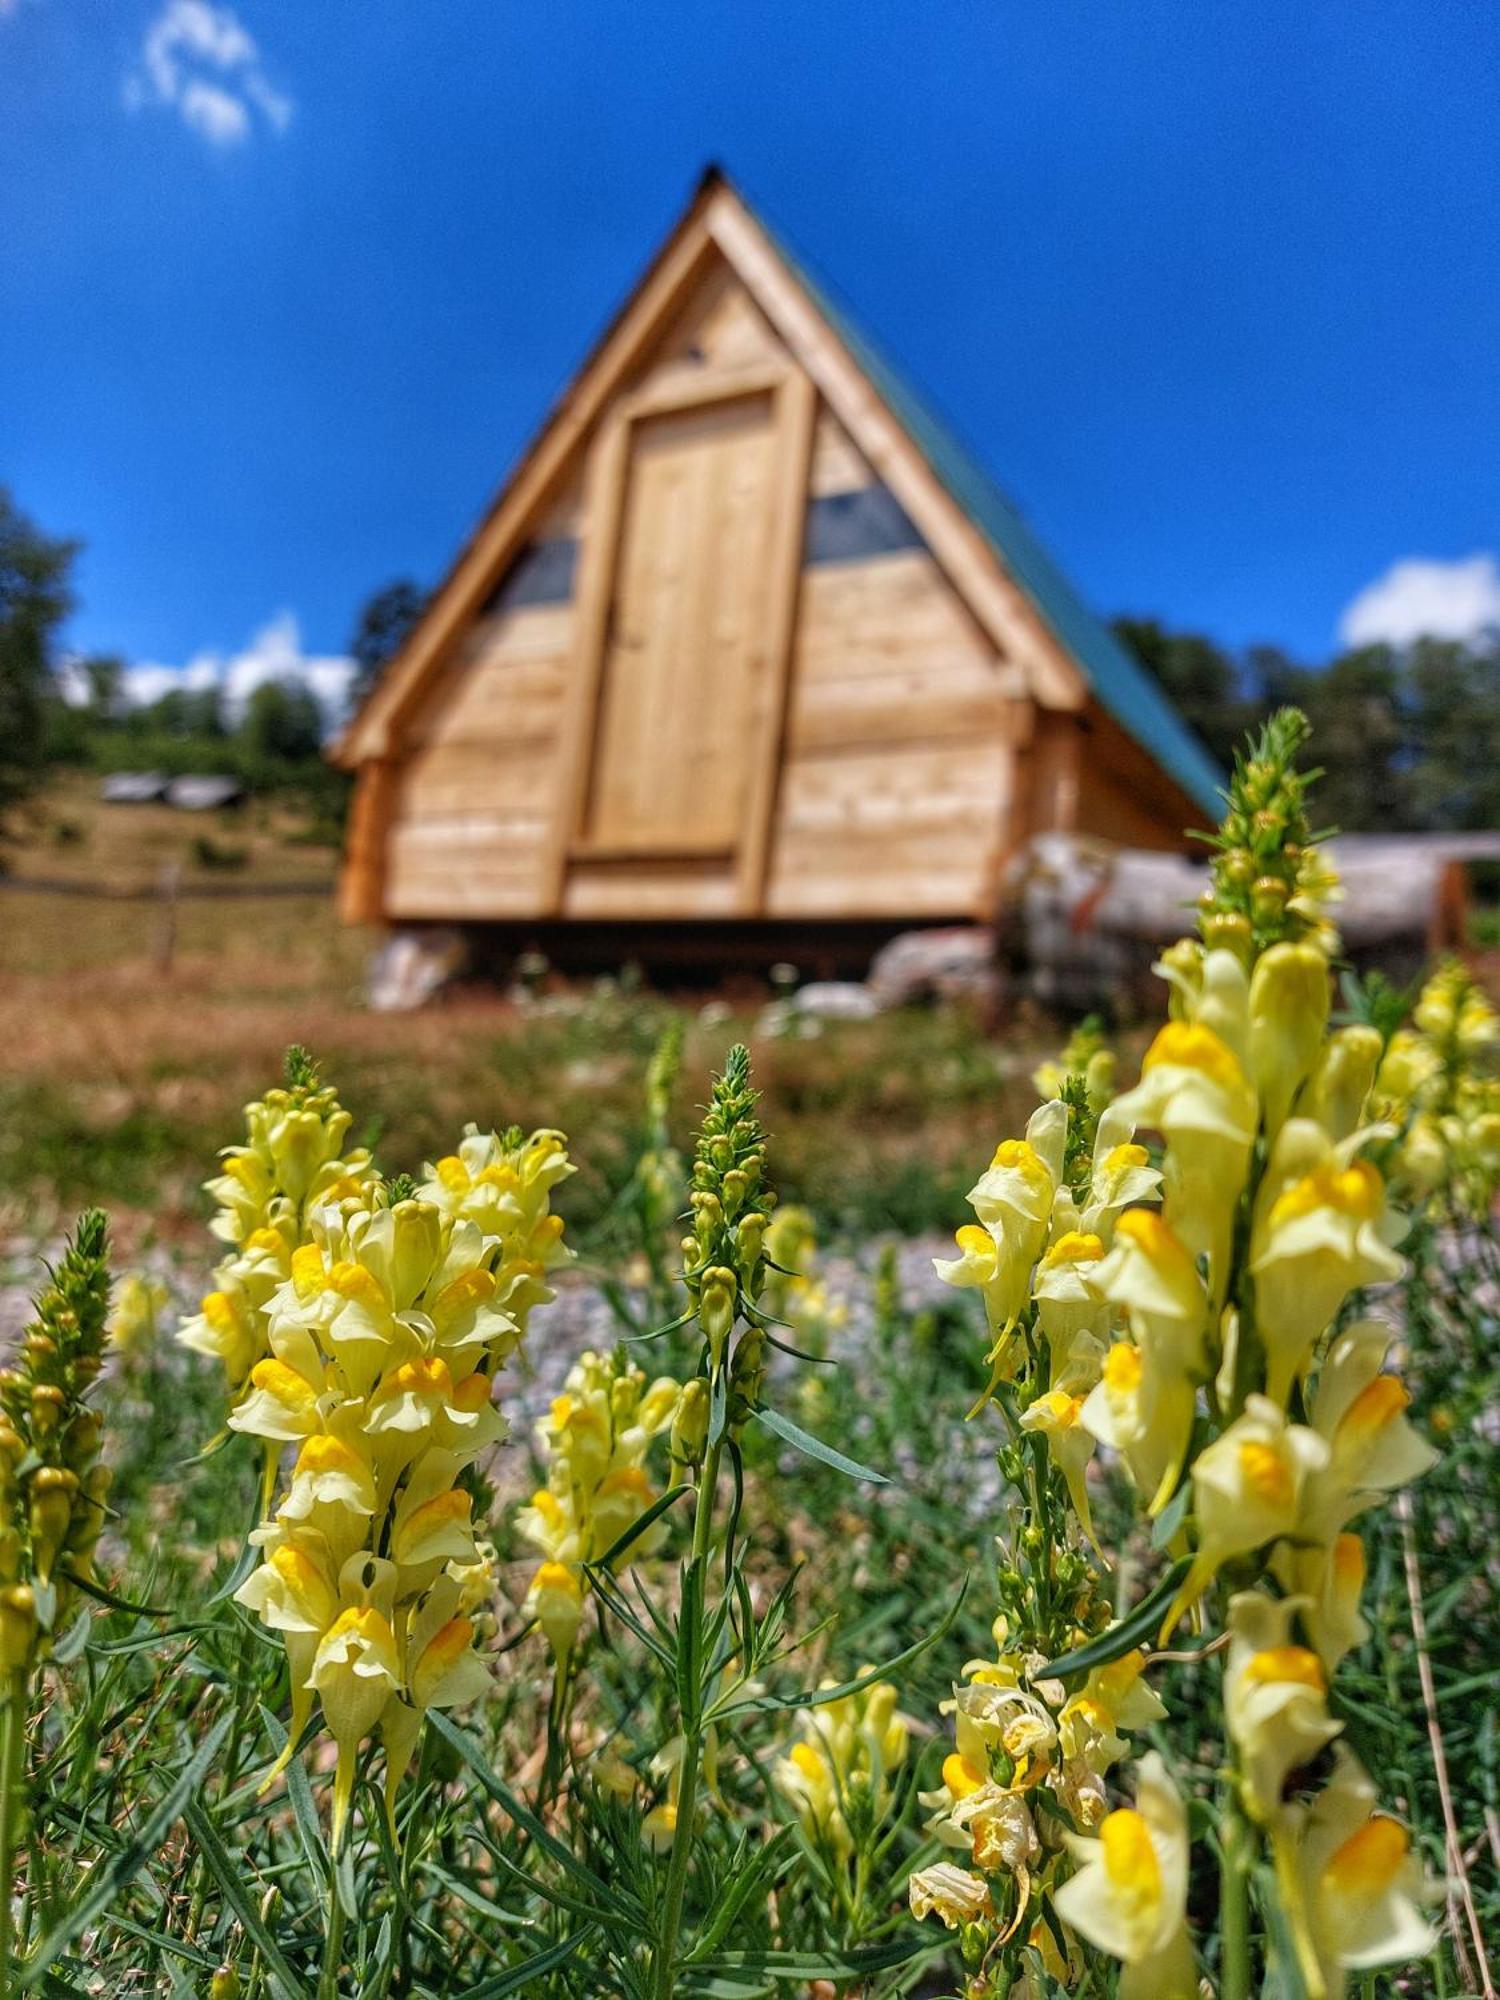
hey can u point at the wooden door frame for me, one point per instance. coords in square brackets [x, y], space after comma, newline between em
[793, 409]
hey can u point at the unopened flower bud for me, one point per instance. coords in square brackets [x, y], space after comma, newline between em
[18, 1626]
[51, 1491]
[225, 1984]
[716, 1307]
[1288, 1014]
[47, 1405]
[1268, 899]
[749, 1240]
[1336, 1091]
[1228, 930]
[689, 1435]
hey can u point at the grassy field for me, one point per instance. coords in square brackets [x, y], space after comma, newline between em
[119, 1080]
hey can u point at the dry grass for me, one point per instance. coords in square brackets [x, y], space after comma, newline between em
[66, 833]
[118, 1082]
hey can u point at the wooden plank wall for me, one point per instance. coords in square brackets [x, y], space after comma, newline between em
[477, 787]
[897, 766]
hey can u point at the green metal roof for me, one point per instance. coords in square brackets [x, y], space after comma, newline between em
[1122, 684]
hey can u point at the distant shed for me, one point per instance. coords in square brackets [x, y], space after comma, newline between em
[749, 655]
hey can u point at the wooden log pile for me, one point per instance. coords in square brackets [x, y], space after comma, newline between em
[1082, 920]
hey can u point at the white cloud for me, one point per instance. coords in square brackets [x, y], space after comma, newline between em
[274, 654]
[1422, 599]
[201, 61]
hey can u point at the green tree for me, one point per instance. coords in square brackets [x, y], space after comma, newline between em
[35, 597]
[384, 625]
[283, 723]
[1201, 678]
[1453, 692]
[1361, 739]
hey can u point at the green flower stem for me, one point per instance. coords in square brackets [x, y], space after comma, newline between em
[1234, 1906]
[12, 1816]
[692, 1751]
[333, 1946]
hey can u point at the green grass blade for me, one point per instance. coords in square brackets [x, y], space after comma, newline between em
[128, 1863]
[231, 1878]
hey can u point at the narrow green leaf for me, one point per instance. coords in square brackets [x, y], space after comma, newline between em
[767, 1704]
[1120, 1638]
[299, 1791]
[109, 1882]
[232, 1878]
[638, 1528]
[520, 1976]
[745, 1881]
[343, 1876]
[91, 1587]
[500, 1792]
[793, 1434]
[249, 1556]
[809, 1965]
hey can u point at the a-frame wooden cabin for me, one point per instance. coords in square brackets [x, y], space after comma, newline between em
[748, 656]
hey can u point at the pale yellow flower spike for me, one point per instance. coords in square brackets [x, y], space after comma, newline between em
[1129, 1896]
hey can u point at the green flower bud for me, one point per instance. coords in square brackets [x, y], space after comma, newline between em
[18, 1626]
[51, 1491]
[717, 1301]
[689, 1435]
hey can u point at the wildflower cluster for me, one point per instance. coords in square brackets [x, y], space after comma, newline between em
[291, 1164]
[503, 1184]
[596, 1439]
[52, 1481]
[841, 1778]
[1029, 1764]
[1189, 1316]
[1440, 1081]
[376, 1317]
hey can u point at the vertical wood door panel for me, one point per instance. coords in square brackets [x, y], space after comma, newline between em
[685, 656]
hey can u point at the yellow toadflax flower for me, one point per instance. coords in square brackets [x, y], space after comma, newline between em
[1361, 1886]
[836, 1777]
[1322, 1229]
[1129, 1896]
[141, 1303]
[952, 1894]
[1151, 1274]
[503, 1183]
[1275, 1701]
[1194, 1091]
[1440, 1080]
[596, 1439]
[291, 1166]
[1248, 1488]
[1361, 1414]
[1014, 1202]
[385, 1338]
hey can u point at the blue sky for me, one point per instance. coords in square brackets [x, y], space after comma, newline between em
[1213, 289]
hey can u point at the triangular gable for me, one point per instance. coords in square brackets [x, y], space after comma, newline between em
[1013, 591]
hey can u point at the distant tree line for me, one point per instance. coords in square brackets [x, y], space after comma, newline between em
[1407, 737]
[57, 710]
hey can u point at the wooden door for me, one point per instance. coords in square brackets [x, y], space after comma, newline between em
[685, 653]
